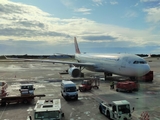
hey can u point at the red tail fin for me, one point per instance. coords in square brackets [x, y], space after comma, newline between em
[76, 46]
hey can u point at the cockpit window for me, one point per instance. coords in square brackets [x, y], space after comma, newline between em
[139, 62]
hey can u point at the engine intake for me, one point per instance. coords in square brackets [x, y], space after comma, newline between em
[74, 72]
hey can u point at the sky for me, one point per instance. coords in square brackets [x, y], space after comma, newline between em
[47, 27]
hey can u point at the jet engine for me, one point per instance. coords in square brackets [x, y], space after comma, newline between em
[74, 72]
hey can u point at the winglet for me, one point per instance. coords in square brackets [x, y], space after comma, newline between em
[76, 46]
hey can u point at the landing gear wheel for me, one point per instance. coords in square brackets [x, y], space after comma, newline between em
[82, 74]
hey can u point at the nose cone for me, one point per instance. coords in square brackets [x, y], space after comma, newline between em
[143, 69]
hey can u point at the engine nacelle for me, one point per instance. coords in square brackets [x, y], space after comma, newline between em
[74, 72]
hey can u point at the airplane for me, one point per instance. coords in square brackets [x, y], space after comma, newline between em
[129, 65]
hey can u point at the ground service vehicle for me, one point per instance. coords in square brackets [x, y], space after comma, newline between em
[26, 96]
[147, 78]
[117, 110]
[27, 88]
[3, 87]
[47, 110]
[69, 90]
[85, 85]
[88, 84]
[127, 86]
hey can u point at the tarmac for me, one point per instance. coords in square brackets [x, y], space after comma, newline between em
[47, 80]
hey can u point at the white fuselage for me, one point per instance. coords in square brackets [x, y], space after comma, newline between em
[120, 64]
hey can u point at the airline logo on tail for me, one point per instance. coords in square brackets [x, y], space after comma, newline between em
[76, 46]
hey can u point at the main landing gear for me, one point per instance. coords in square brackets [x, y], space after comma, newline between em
[134, 78]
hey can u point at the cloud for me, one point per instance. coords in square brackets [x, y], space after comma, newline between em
[83, 10]
[99, 38]
[67, 3]
[113, 2]
[148, 0]
[98, 2]
[150, 3]
[21, 21]
[136, 4]
[32, 47]
[131, 14]
[153, 14]
[22, 25]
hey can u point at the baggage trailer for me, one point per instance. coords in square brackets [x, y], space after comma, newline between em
[26, 96]
[127, 86]
[117, 110]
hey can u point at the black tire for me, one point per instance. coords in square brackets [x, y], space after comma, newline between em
[66, 98]
[62, 114]
[3, 104]
[136, 90]
[108, 115]
[125, 118]
[76, 97]
[90, 88]
[81, 89]
[25, 101]
[100, 109]
[117, 90]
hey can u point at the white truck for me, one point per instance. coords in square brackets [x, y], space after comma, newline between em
[117, 110]
[47, 110]
[69, 90]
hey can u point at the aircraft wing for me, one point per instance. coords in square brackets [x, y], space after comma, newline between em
[61, 62]
[53, 61]
[146, 57]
